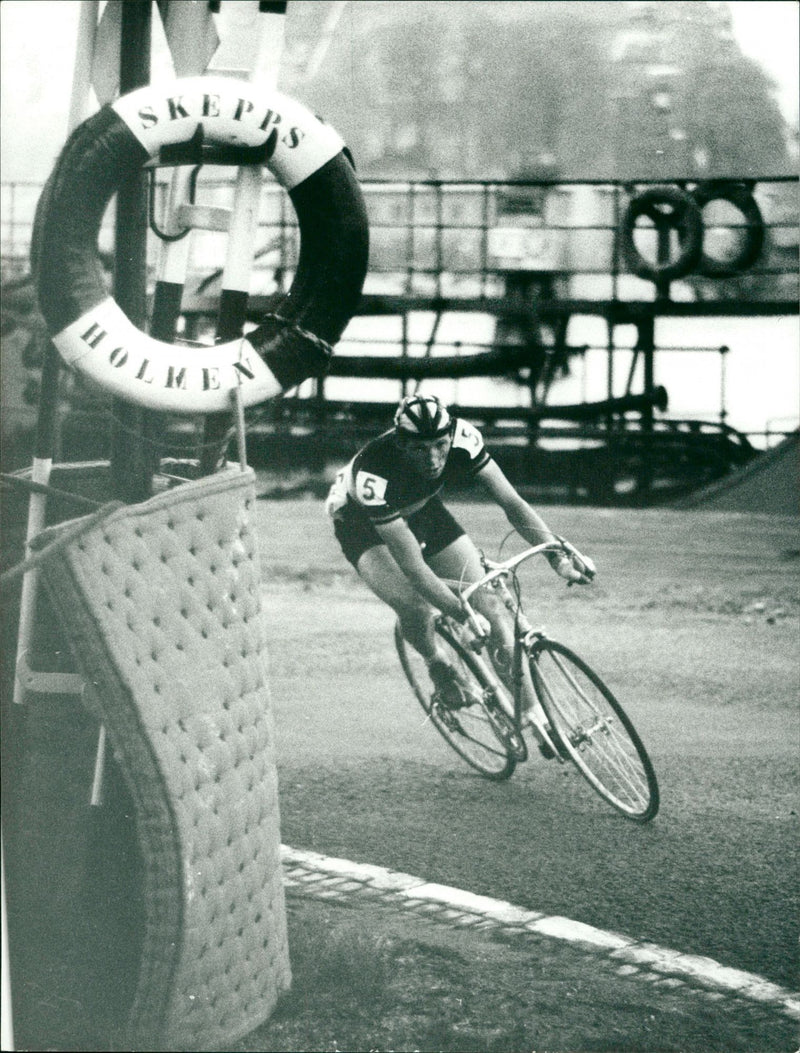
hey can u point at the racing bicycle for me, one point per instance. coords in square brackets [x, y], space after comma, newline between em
[580, 721]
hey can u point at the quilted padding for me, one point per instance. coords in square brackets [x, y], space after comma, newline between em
[162, 607]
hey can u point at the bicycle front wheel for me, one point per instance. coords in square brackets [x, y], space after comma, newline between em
[595, 730]
[479, 731]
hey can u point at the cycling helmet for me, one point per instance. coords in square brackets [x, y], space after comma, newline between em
[422, 417]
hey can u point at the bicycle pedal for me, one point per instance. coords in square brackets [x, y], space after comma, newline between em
[516, 744]
[464, 701]
[447, 717]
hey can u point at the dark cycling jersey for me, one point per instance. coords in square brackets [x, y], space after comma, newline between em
[382, 483]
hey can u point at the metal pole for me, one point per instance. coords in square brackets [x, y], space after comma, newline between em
[41, 468]
[96, 796]
[610, 348]
[7, 1040]
[662, 285]
[647, 345]
[173, 265]
[37, 504]
[46, 422]
[190, 56]
[133, 459]
[723, 383]
[82, 75]
[232, 312]
[134, 453]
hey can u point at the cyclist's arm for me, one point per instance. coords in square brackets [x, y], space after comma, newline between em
[530, 525]
[405, 548]
[518, 512]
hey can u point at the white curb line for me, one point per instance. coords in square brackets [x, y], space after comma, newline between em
[329, 877]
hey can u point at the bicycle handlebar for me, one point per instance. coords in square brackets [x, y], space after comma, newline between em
[503, 569]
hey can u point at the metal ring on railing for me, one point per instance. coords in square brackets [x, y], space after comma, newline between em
[741, 197]
[669, 208]
[197, 120]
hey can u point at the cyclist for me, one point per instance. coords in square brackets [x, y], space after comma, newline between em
[394, 529]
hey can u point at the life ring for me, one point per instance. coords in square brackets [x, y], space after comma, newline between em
[740, 196]
[224, 121]
[673, 208]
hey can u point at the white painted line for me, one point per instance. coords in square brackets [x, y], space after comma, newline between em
[633, 955]
[578, 932]
[470, 902]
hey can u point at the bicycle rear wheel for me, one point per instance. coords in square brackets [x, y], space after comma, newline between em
[595, 730]
[480, 732]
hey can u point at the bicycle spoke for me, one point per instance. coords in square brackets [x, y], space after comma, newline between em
[470, 729]
[474, 726]
[610, 760]
[621, 756]
[598, 736]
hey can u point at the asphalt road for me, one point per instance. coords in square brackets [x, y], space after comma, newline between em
[707, 671]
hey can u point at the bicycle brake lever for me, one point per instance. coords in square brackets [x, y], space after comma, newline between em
[589, 577]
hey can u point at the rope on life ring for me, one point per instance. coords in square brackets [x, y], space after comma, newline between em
[669, 208]
[740, 196]
[196, 120]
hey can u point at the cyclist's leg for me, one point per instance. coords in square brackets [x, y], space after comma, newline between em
[369, 556]
[379, 570]
[460, 561]
[451, 553]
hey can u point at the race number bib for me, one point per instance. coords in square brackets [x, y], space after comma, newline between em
[337, 495]
[370, 489]
[468, 438]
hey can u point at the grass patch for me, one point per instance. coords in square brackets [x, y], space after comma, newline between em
[342, 961]
[367, 980]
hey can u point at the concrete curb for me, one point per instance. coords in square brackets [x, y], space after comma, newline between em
[324, 877]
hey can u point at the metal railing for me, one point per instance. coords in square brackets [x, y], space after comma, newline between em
[435, 239]
[444, 238]
[521, 253]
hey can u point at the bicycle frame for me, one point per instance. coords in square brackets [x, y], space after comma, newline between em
[524, 634]
[572, 713]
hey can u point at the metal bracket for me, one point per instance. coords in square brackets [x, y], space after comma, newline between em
[32, 680]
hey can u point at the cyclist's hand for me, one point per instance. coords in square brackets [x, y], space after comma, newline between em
[481, 630]
[481, 626]
[575, 569]
[585, 567]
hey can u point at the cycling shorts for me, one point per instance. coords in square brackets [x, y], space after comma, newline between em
[433, 526]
